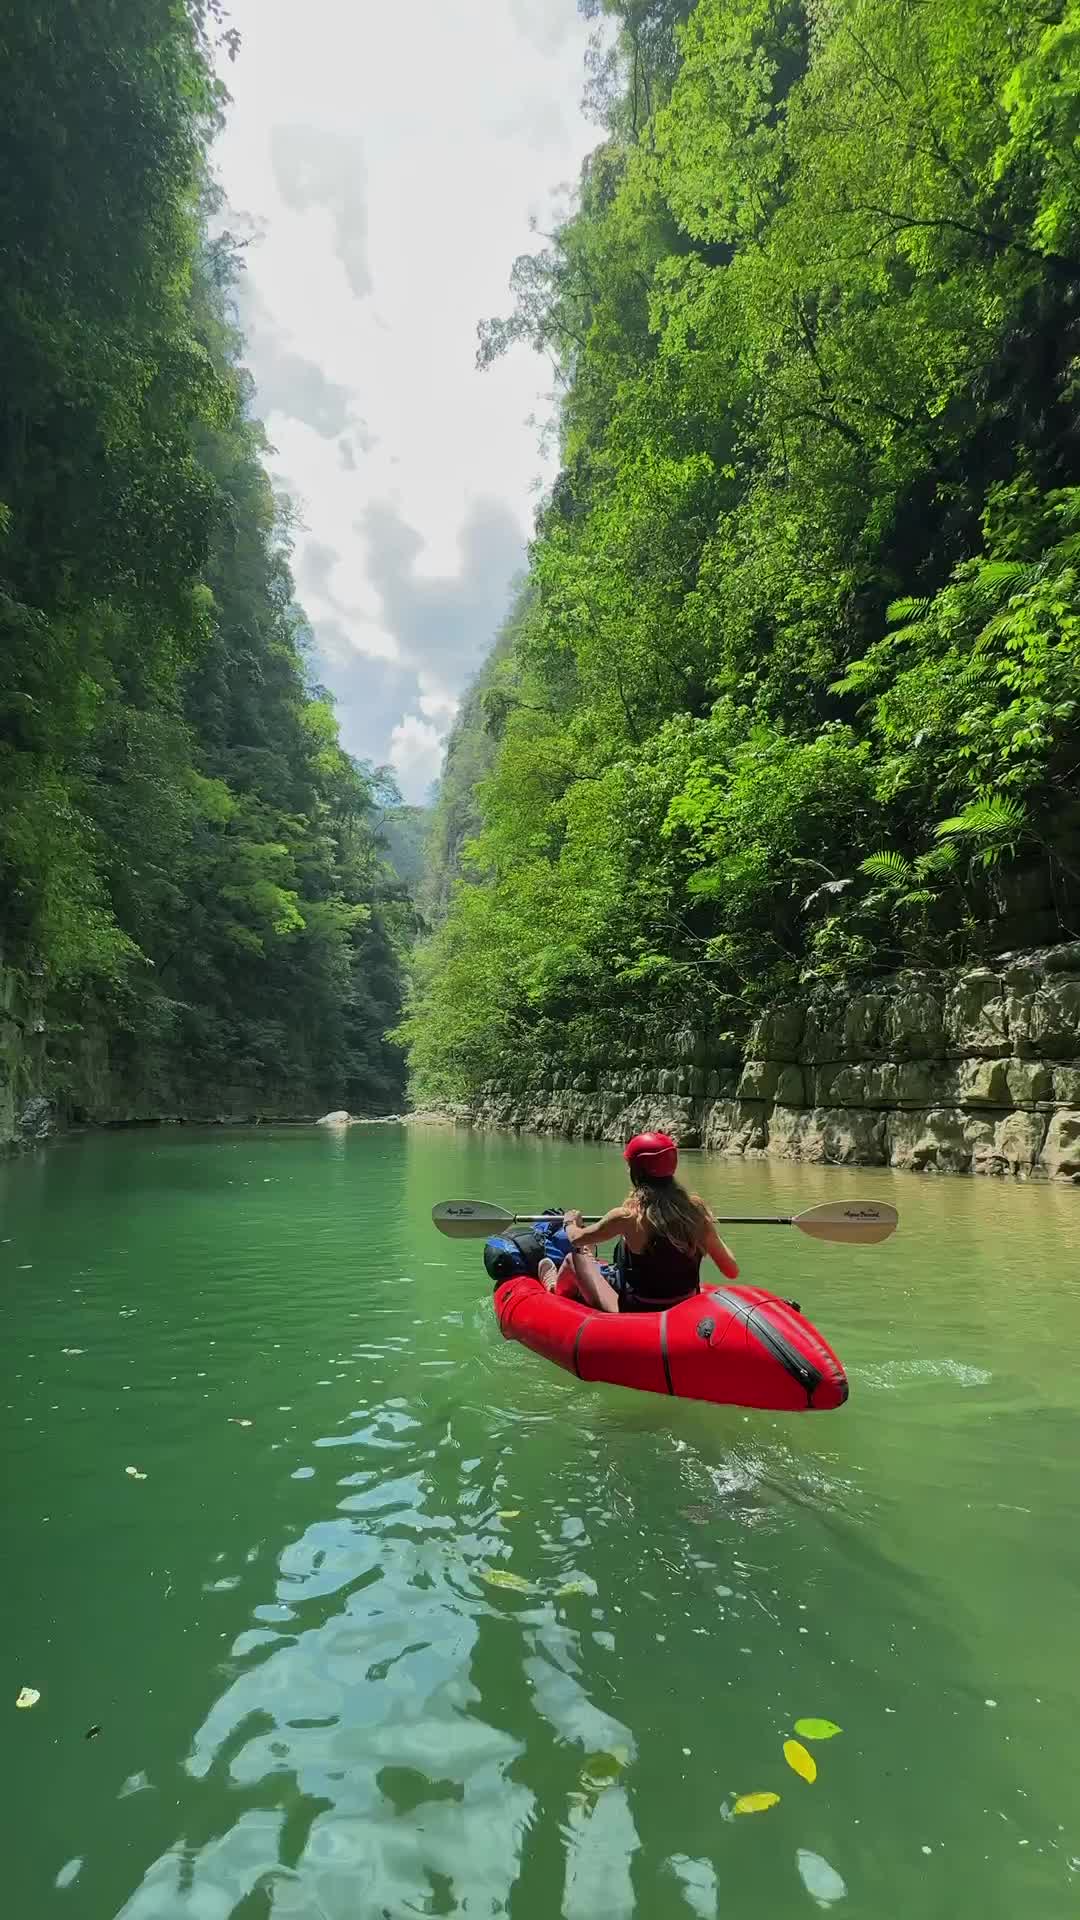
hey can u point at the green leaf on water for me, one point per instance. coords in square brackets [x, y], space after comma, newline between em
[509, 1513]
[571, 1588]
[495, 1577]
[601, 1770]
[817, 1729]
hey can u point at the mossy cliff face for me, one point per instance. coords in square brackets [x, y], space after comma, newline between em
[24, 1114]
[975, 1073]
[55, 1073]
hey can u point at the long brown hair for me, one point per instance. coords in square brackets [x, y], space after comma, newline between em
[670, 1211]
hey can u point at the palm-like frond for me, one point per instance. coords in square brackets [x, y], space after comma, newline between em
[994, 816]
[889, 866]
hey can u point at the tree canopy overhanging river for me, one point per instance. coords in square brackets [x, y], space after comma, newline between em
[313, 1699]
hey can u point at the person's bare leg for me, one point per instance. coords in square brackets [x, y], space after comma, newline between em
[593, 1288]
[566, 1281]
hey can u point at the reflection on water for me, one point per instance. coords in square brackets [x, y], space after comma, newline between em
[404, 1622]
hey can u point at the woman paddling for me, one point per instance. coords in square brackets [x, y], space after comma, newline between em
[664, 1233]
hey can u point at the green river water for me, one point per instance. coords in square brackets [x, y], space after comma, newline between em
[311, 1701]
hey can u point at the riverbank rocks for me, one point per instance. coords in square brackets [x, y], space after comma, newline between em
[974, 1072]
[37, 1119]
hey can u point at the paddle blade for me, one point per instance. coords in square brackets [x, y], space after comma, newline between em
[470, 1219]
[859, 1223]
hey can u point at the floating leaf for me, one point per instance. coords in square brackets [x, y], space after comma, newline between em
[134, 1474]
[800, 1761]
[28, 1697]
[756, 1802]
[495, 1577]
[817, 1729]
[509, 1513]
[234, 1422]
[601, 1770]
[572, 1588]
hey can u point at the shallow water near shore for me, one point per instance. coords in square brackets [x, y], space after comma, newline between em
[313, 1699]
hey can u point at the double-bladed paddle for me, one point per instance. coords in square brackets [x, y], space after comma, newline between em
[858, 1223]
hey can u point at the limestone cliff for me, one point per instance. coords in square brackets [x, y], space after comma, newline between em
[976, 1072]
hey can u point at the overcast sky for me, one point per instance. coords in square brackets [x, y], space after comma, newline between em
[388, 157]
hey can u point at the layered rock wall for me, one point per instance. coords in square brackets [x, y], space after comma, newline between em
[978, 1072]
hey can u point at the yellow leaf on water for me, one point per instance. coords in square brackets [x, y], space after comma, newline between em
[817, 1729]
[495, 1577]
[509, 1513]
[28, 1697]
[800, 1761]
[756, 1802]
[572, 1588]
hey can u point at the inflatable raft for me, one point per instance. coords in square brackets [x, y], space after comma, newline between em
[734, 1346]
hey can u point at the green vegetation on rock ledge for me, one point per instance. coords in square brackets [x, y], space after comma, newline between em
[190, 866]
[791, 694]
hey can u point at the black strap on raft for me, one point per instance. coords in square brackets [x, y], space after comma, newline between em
[771, 1337]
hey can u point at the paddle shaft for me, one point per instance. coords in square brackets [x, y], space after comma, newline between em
[720, 1219]
[855, 1224]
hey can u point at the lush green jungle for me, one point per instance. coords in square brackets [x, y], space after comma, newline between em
[790, 694]
[189, 863]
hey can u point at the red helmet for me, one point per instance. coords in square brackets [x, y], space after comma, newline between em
[653, 1154]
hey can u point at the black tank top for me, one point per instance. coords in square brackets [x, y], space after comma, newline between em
[660, 1276]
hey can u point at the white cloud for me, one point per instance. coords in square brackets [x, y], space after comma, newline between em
[389, 157]
[546, 23]
[317, 167]
[416, 753]
[436, 704]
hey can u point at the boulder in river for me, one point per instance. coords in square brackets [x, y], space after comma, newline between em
[339, 1119]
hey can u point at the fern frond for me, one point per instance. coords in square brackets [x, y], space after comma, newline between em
[910, 608]
[937, 860]
[997, 815]
[973, 675]
[995, 574]
[861, 675]
[1069, 507]
[888, 865]
[995, 629]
